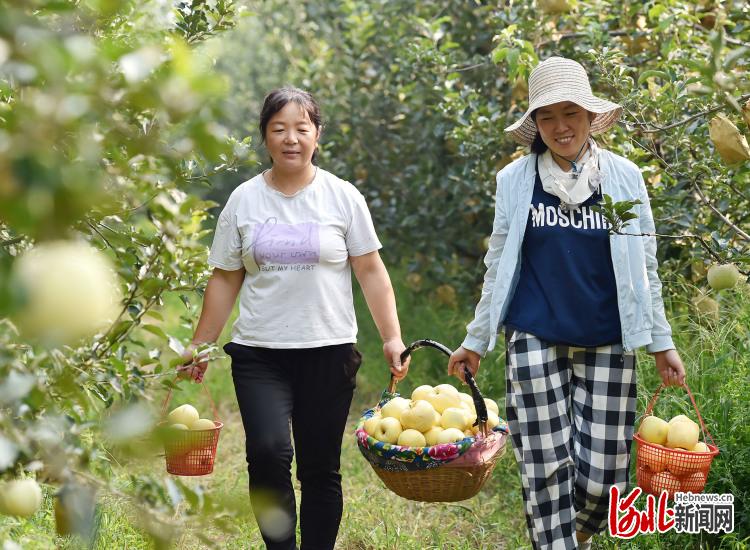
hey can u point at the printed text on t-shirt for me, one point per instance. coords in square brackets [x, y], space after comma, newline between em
[279, 243]
[582, 218]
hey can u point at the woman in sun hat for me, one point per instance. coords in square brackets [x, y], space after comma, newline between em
[575, 302]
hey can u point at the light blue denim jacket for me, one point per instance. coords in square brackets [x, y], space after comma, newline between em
[642, 316]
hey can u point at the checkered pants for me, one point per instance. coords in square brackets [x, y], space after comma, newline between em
[571, 413]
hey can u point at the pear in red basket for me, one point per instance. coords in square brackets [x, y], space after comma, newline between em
[419, 415]
[665, 481]
[653, 458]
[412, 438]
[444, 396]
[679, 418]
[388, 430]
[654, 430]
[199, 456]
[184, 414]
[683, 435]
[450, 435]
[701, 447]
[395, 407]
[694, 482]
[431, 435]
[454, 417]
[178, 427]
[679, 464]
[203, 424]
[421, 392]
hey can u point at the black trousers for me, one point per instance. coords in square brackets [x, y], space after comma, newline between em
[312, 388]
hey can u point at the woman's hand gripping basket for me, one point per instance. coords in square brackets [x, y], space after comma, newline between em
[429, 456]
[670, 456]
[190, 442]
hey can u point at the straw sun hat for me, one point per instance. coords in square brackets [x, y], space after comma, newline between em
[559, 79]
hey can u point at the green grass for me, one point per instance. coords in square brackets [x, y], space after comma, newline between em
[375, 518]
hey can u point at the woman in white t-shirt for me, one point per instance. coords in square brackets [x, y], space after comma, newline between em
[286, 242]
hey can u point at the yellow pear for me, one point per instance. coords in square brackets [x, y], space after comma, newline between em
[203, 424]
[419, 415]
[729, 142]
[693, 483]
[411, 438]
[683, 435]
[421, 392]
[723, 276]
[371, 424]
[554, 6]
[679, 418]
[184, 414]
[665, 481]
[681, 464]
[431, 435]
[706, 306]
[395, 408]
[454, 417]
[492, 406]
[701, 447]
[654, 430]
[653, 458]
[451, 435]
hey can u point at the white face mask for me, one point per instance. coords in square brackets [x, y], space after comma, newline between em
[572, 188]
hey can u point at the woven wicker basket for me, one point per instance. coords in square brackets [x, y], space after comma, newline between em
[459, 479]
[447, 483]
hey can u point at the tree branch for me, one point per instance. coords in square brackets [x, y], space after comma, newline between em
[700, 239]
[470, 67]
[697, 188]
[97, 351]
[726, 220]
[727, 39]
[571, 35]
[96, 230]
[9, 242]
[644, 127]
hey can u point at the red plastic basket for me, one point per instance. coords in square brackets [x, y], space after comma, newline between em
[673, 470]
[190, 452]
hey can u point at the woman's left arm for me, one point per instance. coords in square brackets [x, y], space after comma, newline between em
[376, 286]
[668, 362]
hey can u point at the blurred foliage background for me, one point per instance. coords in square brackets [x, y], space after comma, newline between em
[124, 124]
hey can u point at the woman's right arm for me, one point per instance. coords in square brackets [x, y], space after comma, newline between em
[218, 301]
[478, 330]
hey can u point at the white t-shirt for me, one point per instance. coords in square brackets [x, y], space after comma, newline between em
[297, 291]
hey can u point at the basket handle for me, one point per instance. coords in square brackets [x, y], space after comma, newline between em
[205, 388]
[476, 395]
[652, 402]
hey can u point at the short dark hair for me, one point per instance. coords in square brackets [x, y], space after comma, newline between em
[277, 99]
[537, 146]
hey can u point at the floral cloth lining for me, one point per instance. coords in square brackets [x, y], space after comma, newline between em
[393, 457]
